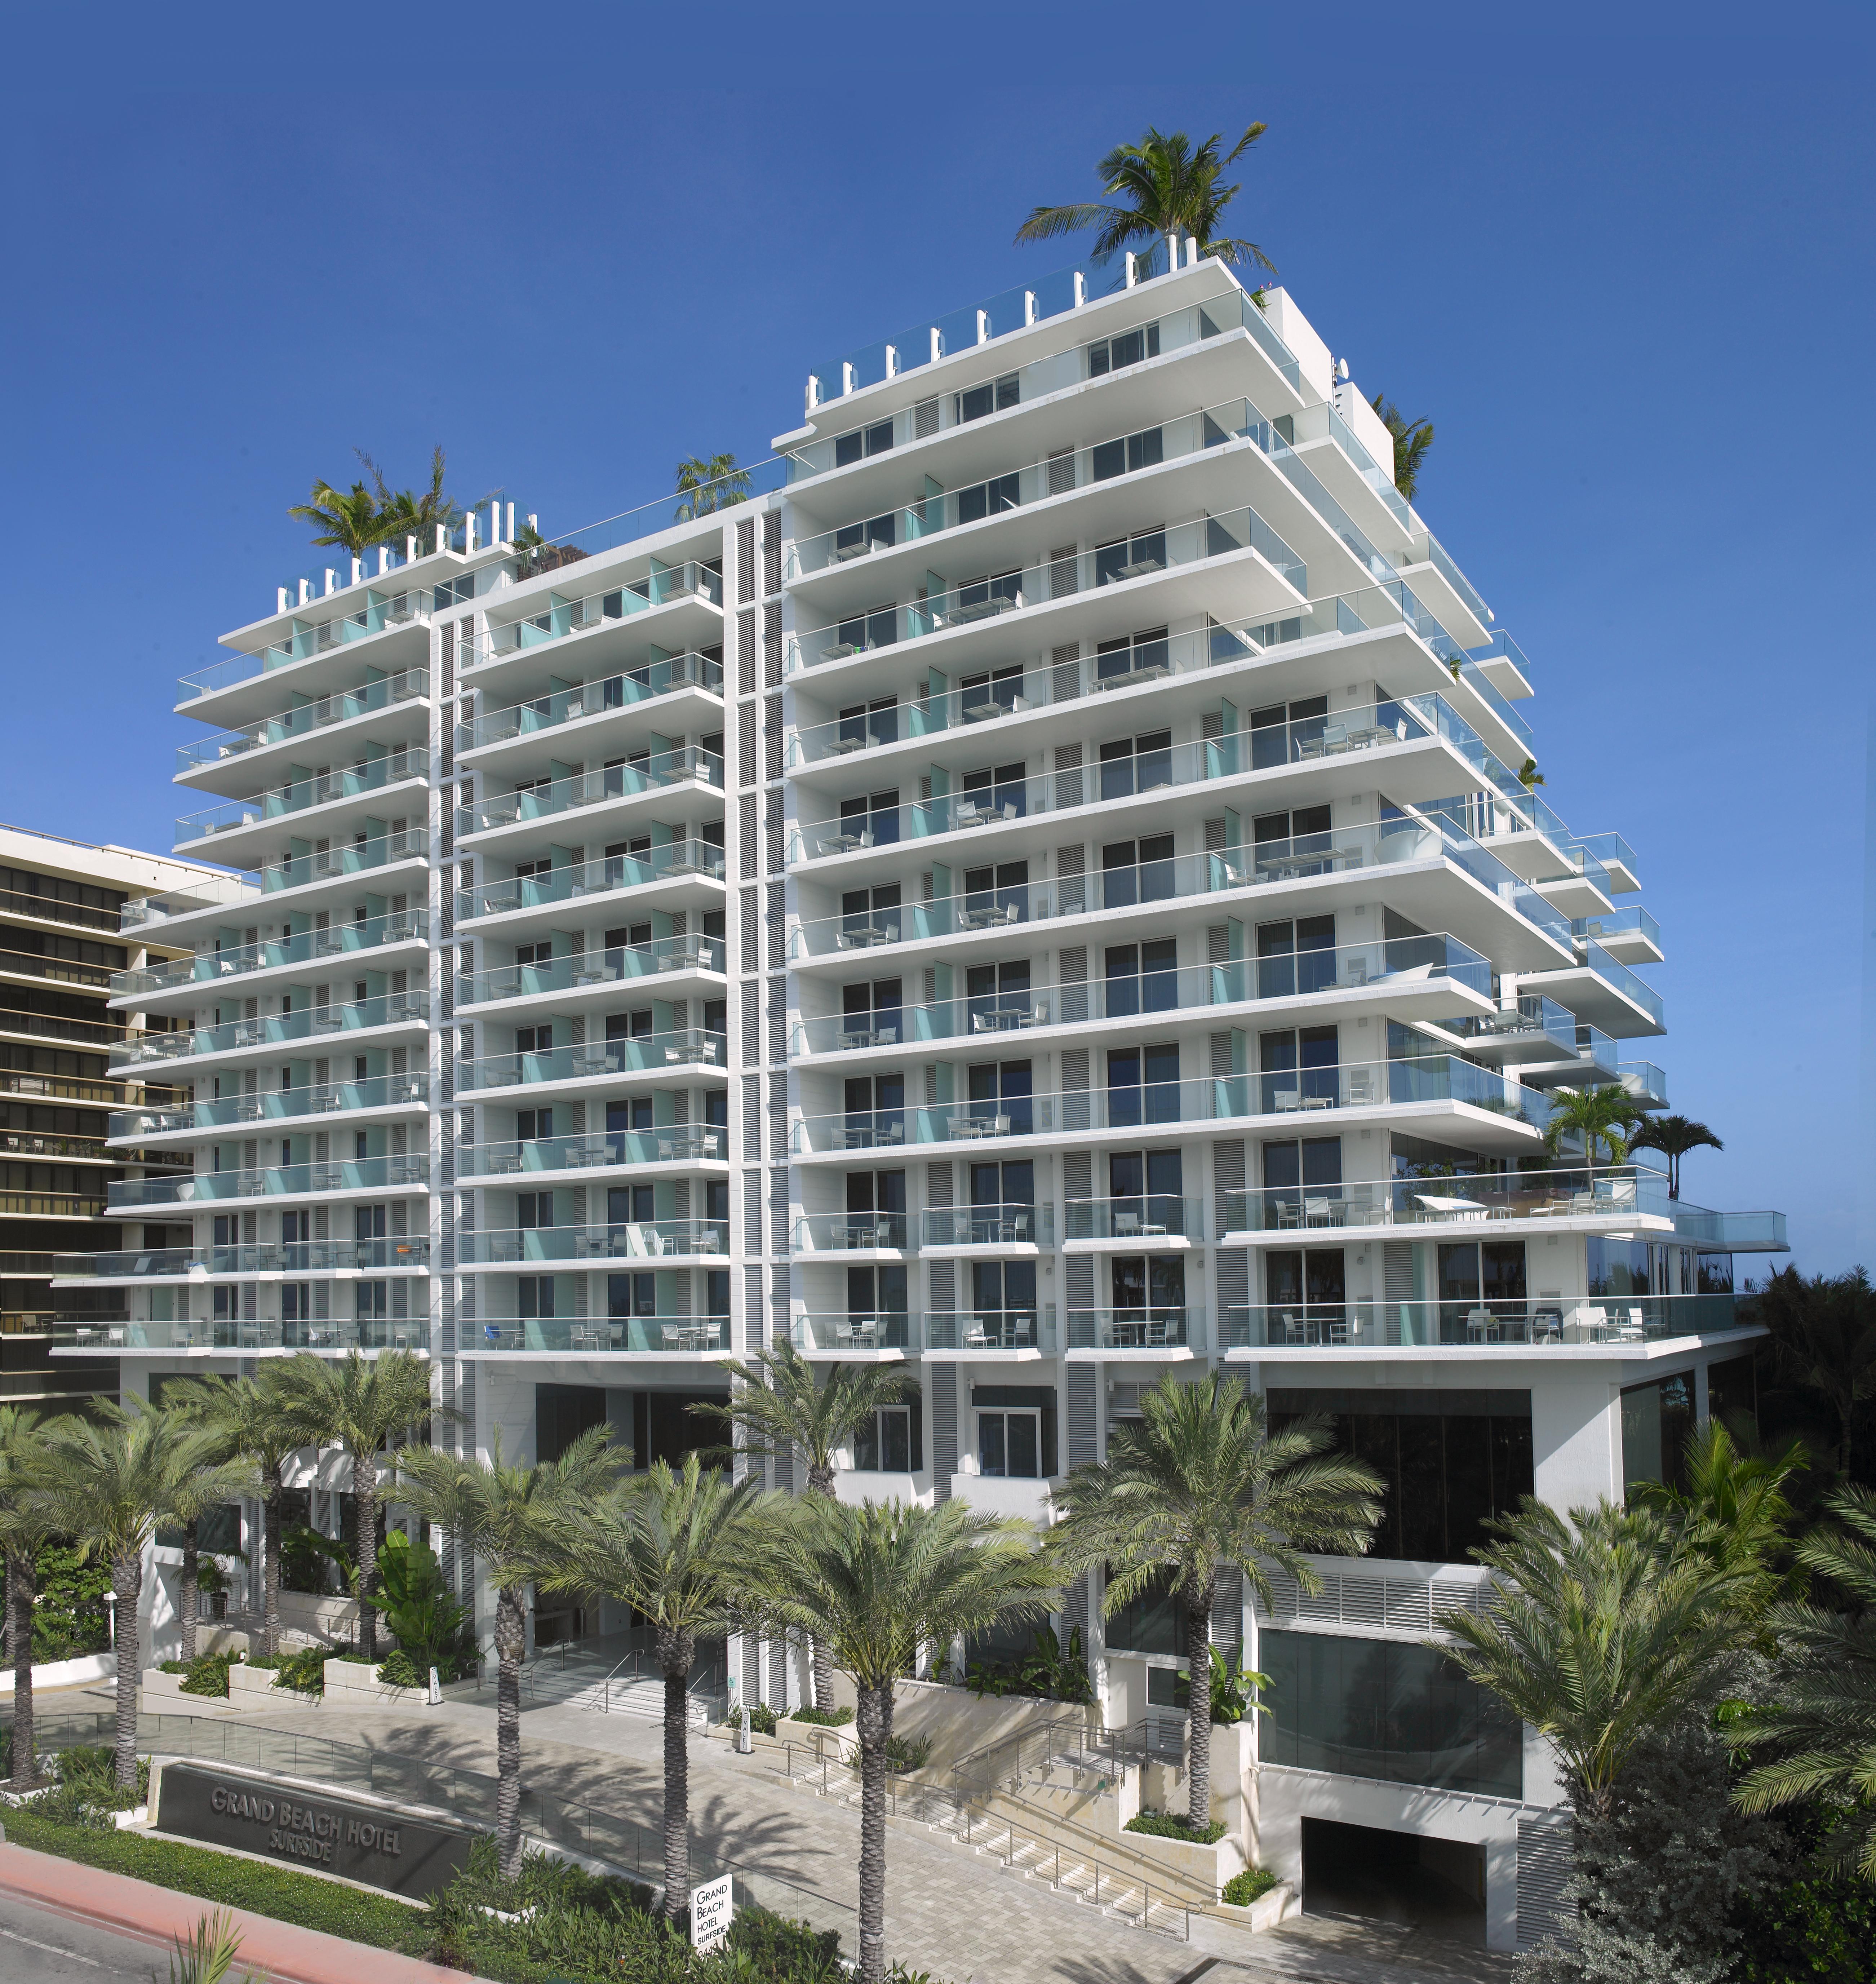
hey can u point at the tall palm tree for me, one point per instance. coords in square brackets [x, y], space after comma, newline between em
[350, 519]
[1598, 1630]
[228, 1443]
[1674, 1137]
[782, 1408]
[1601, 1116]
[684, 1550]
[1821, 1726]
[884, 1581]
[359, 1404]
[709, 482]
[404, 512]
[1199, 1483]
[24, 1528]
[1412, 440]
[1733, 1511]
[1165, 185]
[109, 1481]
[1823, 1336]
[504, 1515]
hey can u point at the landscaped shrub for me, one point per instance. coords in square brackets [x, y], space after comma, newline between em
[207, 1675]
[304, 1672]
[903, 1755]
[1165, 1825]
[822, 1718]
[70, 1616]
[1242, 1889]
[762, 1719]
[1048, 1672]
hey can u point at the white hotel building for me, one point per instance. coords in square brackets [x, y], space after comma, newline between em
[1041, 892]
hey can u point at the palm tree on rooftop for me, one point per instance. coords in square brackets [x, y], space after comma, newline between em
[346, 518]
[709, 482]
[1412, 440]
[1602, 1117]
[1163, 185]
[1674, 1137]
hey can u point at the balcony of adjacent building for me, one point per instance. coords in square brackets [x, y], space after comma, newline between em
[546, 1074]
[323, 803]
[394, 1175]
[396, 706]
[1592, 1326]
[301, 881]
[402, 1254]
[33, 969]
[678, 966]
[674, 1146]
[589, 720]
[375, 1098]
[43, 905]
[368, 1023]
[382, 939]
[681, 873]
[35, 1015]
[602, 804]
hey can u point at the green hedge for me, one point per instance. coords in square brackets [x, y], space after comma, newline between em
[822, 1718]
[1165, 1825]
[1242, 1889]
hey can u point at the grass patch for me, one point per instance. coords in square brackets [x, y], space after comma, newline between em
[1164, 1825]
[1242, 1889]
[822, 1718]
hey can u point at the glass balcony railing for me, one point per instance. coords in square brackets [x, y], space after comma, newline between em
[1625, 981]
[638, 1240]
[296, 1257]
[260, 1333]
[655, 773]
[1145, 1216]
[992, 1329]
[1731, 1232]
[1502, 646]
[845, 1232]
[1290, 975]
[1518, 1322]
[688, 1048]
[301, 947]
[894, 1331]
[368, 775]
[1180, 1328]
[319, 713]
[1379, 480]
[675, 1143]
[663, 585]
[1616, 926]
[349, 1174]
[357, 857]
[1535, 1025]
[700, 860]
[379, 1091]
[594, 698]
[379, 612]
[1560, 1192]
[653, 1336]
[1437, 555]
[1611, 850]
[1155, 547]
[987, 1226]
[311, 1023]
[584, 968]
[1645, 1083]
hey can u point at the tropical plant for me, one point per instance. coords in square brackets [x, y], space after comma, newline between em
[883, 1582]
[501, 1514]
[1048, 1672]
[685, 1550]
[405, 513]
[25, 1529]
[780, 1408]
[206, 1954]
[109, 1479]
[1674, 1136]
[1412, 440]
[227, 1440]
[1821, 1726]
[348, 519]
[1597, 1630]
[359, 1404]
[1601, 1116]
[1824, 1337]
[306, 1556]
[1163, 185]
[1199, 1483]
[1733, 1511]
[423, 1613]
[709, 482]
[1529, 777]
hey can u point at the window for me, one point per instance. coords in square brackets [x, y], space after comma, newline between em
[1292, 838]
[862, 441]
[1298, 1069]
[1148, 654]
[876, 1205]
[877, 627]
[875, 722]
[1149, 1288]
[1002, 1305]
[873, 813]
[989, 499]
[1136, 871]
[1001, 1096]
[994, 688]
[997, 995]
[1309, 1168]
[1142, 977]
[1714, 1275]
[851, 540]
[635, 1115]
[296, 1305]
[1011, 1183]
[1617, 1268]
[1279, 732]
[535, 1039]
[1475, 1275]
[629, 936]
[891, 1442]
[1015, 1430]
[877, 1295]
[999, 589]
[534, 1209]
[1145, 1187]
[870, 1013]
[998, 894]
[1130, 765]
[1131, 557]
[628, 1295]
[635, 1026]
[1109, 354]
[1306, 1293]
[1295, 957]
[629, 1205]
[1122, 457]
[870, 916]
[1656, 1418]
[1001, 789]
[530, 1123]
[368, 1222]
[1152, 1623]
[373, 1301]
[1143, 1084]
[875, 1110]
[977, 401]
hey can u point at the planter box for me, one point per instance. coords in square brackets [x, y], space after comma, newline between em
[161, 1693]
[1266, 1912]
[65, 1674]
[351, 1682]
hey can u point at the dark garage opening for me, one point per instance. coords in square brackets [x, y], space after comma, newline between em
[1434, 1886]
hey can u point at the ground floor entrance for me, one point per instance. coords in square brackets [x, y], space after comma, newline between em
[1435, 1886]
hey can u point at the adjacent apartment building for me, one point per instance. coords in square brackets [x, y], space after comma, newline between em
[1042, 892]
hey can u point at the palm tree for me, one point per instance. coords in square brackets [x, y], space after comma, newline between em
[109, 1482]
[884, 1581]
[24, 1528]
[1162, 185]
[684, 1550]
[1529, 777]
[186, 1398]
[782, 1409]
[709, 482]
[350, 520]
[1821, 1726]
[501, 1515]
[1200, 1483]
[359, 1404]
[1824, 1334]
[1674, 1137]
[1601, 1116]
[1412, 440]
[1733, 1511]
[406, 513]
[1598, 1630]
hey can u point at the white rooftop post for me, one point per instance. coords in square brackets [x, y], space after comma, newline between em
[1172, 252]
[1191, 251]
[1133, 273]
[358, 570]
[469, 525]
[494, 523]
[814, 392]
[983, 327]
[332, 580]
[282, 607]
[1029, 306]
[534, 523]
[937, 344]
[846, 376]
[384, 560]
[892, 361]
[1081, 288]
[305, 591]
[410, 551]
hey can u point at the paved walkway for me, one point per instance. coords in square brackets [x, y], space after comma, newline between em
[958, 1916]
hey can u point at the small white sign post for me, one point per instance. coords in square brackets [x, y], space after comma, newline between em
[712, 1908]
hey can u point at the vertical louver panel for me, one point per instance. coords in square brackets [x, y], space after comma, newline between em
[1063, 578]
[745, 654]
[753, 1225]
[771, 646]
[1083, 1436]
[778, 1128]
[772, 822]
[745, 819]
[745, 743]
[938, 1185]
[771, 553]
[751, 1119]
[1061, 471]
[778, 932]
[777, 1022]
[1077, 1174]
[1069, 863]
[1228, 1600]
[925, 420]
[1214, 836]
[772, 736]
[1065, 668]
[1078, 1272]
[1546, 1861]
[1068, 775]
[1220, 1056]
[944, 1286]
[943, 1378]
[1217, 944]
[1227, 1175]
[751, 920]
[745, 560]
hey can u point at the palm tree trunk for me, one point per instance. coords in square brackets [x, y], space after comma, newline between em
[185, 1600]
[873, 1724]
[675, 1652]
[270, 1559]
[365, 1499]
[821, 1482]
[1198, 1694]
[127, 1581]
[19, 1582]
[510, 1643]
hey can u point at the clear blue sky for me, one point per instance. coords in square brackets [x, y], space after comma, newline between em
[1624, 263]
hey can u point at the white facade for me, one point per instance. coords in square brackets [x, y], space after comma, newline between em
[1043, 895]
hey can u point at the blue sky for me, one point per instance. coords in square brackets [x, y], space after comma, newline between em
[1624, 263]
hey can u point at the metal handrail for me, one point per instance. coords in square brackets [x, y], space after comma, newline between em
[1104, 1744]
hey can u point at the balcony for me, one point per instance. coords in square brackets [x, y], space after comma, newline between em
[1031, 1331]
[658, 773]
[1731, 1232]
[1630, 936]
[1149, 1219]
[367, 774]
[855, 1335]
[234, 1336]
[53, 1205]
[56, 971]
[342, 706]
[567, 614]
[1536, 1030]
[995, 1229]
[1601, 993]
[582, 970]
[1645, 1083]
[53, 909]
[620, 692]
[246, 892]
[642, 1240]
[296, 1257]
[678, 860]
[1519, 1325]
[1181, 1328]
[380, 613]
[301, 947]
[1558, 1194]
[1617, 856]
[677, 1143]
[689, 1048]
[1439, 962]
[351, 1174]
[848, 1232]
[267, 1030]
[579, 1336]
[375, 1092]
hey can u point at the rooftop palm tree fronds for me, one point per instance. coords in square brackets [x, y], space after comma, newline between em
[1412, 440]
[1529, 777]
[503, 1515]
[881, 1582]
[349, 520]
[1674, 1137]
[1200, 1483]
[1601, 1628]
[25, 1527]
[1824, 1334]
[709, 482]
[107, 1482]
[404, 512]
[1821, 1730]
[781, 1408]
[361, 1404]
[1601, 1116]
[685, 1550]
[1163, 185]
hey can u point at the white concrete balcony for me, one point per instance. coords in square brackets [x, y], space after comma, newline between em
[986, 1232]
[678, 967]
[1176, 1332]
[395, 708]
[852, 1235]
[366, 1023]
[677, 607]
[692, 1340]
[684, 875]
[402, 1254]
[315, 652]
[1156, 1222]
[535, 1077]
[339, 1178]
[1590, 1326]
[301, 883]
[203, 1338]
[1011, 1335]
[592, 804]
[682, 692]
[382, 943]
[1516, 1204]
[852, 1338]
[676, 1149]
[376, 1098]
[238, 831]
[672, 1242]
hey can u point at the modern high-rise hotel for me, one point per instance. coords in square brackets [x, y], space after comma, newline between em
[1043, 891]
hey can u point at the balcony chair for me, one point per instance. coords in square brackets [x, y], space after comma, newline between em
[1126, 1226]
[1287, 1100]
[1360, 1084]
[1479, 1325]
[1323, 1211]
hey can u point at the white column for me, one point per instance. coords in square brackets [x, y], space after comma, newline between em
[983, 327]
[1133, 275]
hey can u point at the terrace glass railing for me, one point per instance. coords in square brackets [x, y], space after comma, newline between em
[594, 698]
[1436, 555]
[1518, 1324]
[1624, 980]
[576, 1336]
[656, 773]
[1610, 849]
[894, 1330]
[569, 613]
[1731, 1232]
[367, 774]
[379, 612]
[1645, 1081]
[294, 1257]
[339, 939]
[299, 871]
[643, 520]
[252, 1333]
[1502, 646]
[847, 1232]
[388, 1174]
[1003, 1226]
[676, 859]
[1535, 1023]
[1632, 921]
[310, 1022]
[1560, 1192]
[1180, 1328]
[992, 1329]
[325, 1098]
[675, 1143]
[634, 1240]
[581, 969]
[315, 714]
[1145, 1217]
[685, 1047]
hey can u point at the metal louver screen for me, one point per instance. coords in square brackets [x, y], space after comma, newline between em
[745, 821]
[1061, 471]
[778, 925]
[943, 1384]
[1078, 1269]
[1077, 1174]
[751, 922]
[1395, 1604]
[925, 420]
[752, 1223]
[745, 559]
[1068, 775]
[751, 1119]
[745, 740]
[1214, 836]
[1065, 668]
[1545, 1861]
[771, 646]
[1063, 578]
[1082, 1396]
[772, 834]
[943, 1287]
[745, 654]
[938, 1185]
[1220, 1056]
[772, 736]
[771, 558]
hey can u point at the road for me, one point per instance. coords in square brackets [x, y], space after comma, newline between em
[37, 1944]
